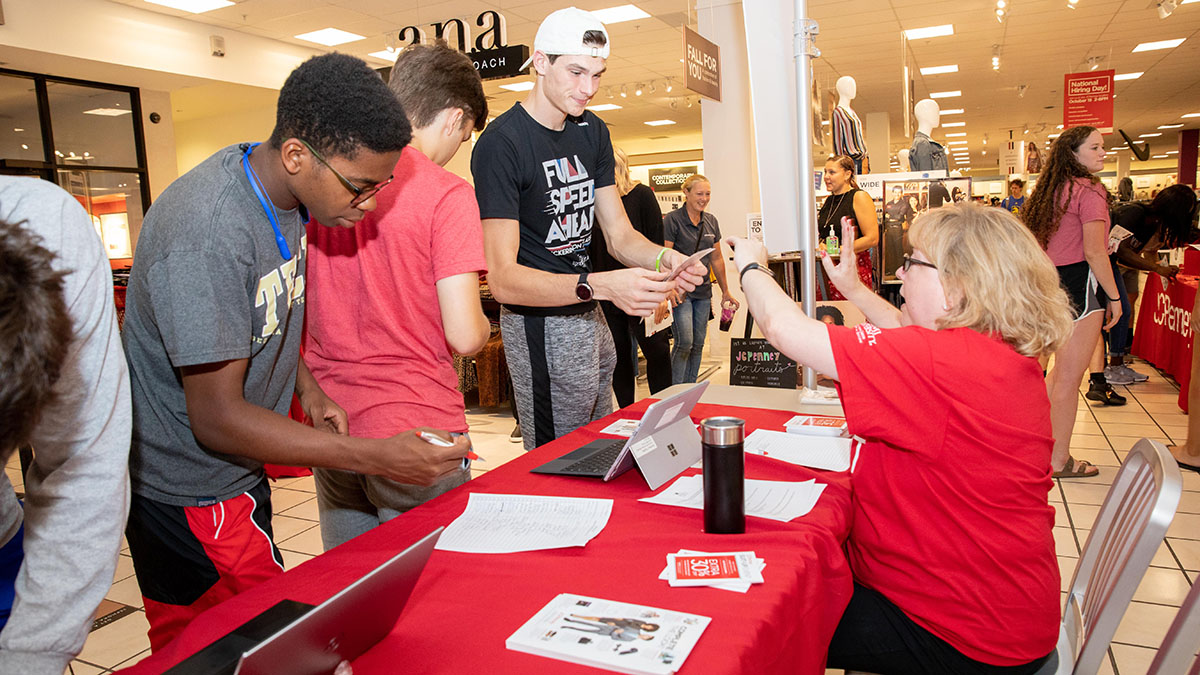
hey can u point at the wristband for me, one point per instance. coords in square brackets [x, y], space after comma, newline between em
[658, 260]
[754, 266]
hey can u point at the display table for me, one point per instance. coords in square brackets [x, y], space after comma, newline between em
[1163, 335]
[466, 605]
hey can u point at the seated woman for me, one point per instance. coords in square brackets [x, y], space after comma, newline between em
[952, 547]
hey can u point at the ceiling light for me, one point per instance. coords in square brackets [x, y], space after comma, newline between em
[957, 143]
[638, 90]
[193, 6]
[1158, 157]
[954, 124]
[658, 123]
[608, 90]
[624, 91]
[825, 123]
[388, 54]
[18, 129]
[1128, 76]
[1071, 4]
[1170, 126]
[1192, 114]
[1161, 44]
[59, 153]
[1001, 4]
[329, 37]
[603, 107]
[669, 85]
[1153, 135]
[1054, 135]
[1094, 62]
[106, 112]
[959, 134]
[953, 111]
[619, 14]
[930, 32]
[24, 147]
[518, 86]
[652, 89]
[1172, 152]
[952, 94]
[939, 70]
[995, 57]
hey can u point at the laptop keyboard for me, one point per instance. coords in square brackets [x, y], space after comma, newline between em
[598, 462]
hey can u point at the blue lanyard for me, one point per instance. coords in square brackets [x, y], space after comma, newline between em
[265, 201]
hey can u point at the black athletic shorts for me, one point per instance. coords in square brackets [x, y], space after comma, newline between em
[1082, 288]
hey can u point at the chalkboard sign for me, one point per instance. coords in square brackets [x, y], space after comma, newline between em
[753, 362]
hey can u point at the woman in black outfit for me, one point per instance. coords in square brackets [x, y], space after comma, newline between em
[646, 217]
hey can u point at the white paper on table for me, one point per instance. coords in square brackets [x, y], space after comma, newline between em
[495, 523]
[621, 428]
[771, 499]
[735, 586]
[816, 452]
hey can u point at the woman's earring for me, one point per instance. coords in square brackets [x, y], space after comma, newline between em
[945, 306]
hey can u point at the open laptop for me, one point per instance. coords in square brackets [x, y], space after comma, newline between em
[339, 629]
[664, 444]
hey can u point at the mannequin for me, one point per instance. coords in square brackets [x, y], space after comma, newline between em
[902, 156]
[926, 154]
[847, 129]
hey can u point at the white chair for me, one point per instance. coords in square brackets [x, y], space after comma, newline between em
[1130, 527]
[1178, 648]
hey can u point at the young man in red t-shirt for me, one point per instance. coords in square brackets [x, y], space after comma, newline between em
[391, 299]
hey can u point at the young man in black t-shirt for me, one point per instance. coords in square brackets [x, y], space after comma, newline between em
[544, 177]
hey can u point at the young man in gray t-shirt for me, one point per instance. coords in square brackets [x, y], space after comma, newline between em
[213, 322]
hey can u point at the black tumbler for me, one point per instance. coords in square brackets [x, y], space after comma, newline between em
[724, 475]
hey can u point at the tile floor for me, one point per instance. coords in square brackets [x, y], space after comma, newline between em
[1102, 436]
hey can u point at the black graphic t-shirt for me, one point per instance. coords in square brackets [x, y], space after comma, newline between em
[547, 181]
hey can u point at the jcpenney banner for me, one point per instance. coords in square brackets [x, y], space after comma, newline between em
[702, 65]
[1088, 100]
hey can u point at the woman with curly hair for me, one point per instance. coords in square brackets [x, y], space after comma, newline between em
[1068, 214]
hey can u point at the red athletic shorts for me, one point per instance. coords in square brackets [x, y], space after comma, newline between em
[189, 558]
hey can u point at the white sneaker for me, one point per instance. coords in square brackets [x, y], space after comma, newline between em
[1114, 375]
[1137, 377]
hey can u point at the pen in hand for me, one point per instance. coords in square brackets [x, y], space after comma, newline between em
[441, 442]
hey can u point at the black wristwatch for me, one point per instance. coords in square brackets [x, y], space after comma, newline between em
[583, 290]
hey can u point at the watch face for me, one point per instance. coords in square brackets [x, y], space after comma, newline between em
[583, 291]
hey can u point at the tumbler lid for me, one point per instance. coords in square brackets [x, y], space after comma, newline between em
[722, 430]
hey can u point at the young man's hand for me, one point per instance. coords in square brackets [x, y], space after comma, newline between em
[324, 414]
[408, 458]
[635, 291]
[689, 278]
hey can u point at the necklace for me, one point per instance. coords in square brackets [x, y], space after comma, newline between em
[832, 211]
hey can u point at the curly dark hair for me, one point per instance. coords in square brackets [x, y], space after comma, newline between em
[832, 312]
[338, 105]
[1042, 213]
[35, 333]
[428, 78]
[1175, 210]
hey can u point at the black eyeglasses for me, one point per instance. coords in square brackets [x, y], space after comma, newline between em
[361, 194]
[909, 261]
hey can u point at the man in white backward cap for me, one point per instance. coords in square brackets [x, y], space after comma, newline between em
[543, 178]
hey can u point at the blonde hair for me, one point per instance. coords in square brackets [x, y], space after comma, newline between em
[621, 168]
[690, 182]
[999, 279]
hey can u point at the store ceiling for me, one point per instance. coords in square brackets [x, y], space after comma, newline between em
[1040, 41]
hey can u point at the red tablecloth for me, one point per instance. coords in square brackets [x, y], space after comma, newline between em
[465, 605]
[1163, 335]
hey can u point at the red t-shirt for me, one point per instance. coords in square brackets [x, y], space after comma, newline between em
[1088, 201]
[374, 338]
[951, 517]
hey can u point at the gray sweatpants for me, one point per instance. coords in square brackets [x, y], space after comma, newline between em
[561, 368]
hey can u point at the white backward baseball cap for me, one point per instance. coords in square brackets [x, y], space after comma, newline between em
[562, 33]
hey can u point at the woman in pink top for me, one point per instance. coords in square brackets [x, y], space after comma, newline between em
[1068, 213]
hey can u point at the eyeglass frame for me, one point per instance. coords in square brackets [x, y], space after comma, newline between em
[909, 261]
[361, 194]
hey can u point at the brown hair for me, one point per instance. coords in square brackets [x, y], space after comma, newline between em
[592, 38]
[846, 164]
[429, 78]
[35, 333]
[1043, 210]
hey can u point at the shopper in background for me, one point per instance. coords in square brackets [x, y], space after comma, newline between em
[629, 332]
[690, 230]
[1068, 214]
[1166, 222]
[952, 545]
[213, 330]
[847, 200]
[407, 278]
[64, 389]
[1016, 197]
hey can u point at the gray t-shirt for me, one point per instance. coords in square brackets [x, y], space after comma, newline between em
[208, 284]
[689, 238]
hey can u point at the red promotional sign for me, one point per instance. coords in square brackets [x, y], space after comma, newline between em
[1088, 100]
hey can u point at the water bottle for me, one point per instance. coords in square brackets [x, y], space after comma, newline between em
[727, 311]
[724, 475]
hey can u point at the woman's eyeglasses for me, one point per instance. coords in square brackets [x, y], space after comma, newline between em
[361, 194]
[909, 261]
